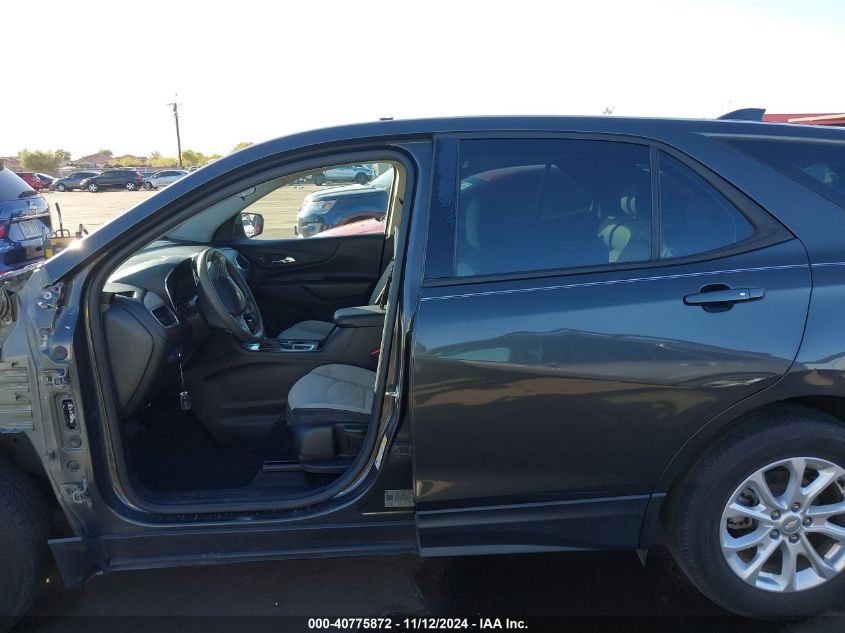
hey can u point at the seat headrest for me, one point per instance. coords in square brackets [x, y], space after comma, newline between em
[628, 204]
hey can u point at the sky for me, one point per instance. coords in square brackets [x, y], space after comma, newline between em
[89, 74]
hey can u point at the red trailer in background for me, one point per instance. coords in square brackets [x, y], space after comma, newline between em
[807, 119]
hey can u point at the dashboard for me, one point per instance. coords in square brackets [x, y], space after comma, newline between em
[152, 320]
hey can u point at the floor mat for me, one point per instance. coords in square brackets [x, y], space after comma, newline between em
[172, 451]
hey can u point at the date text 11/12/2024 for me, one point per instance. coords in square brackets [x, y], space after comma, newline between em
[417, 624]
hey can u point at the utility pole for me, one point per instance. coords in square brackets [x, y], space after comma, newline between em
[175, 107]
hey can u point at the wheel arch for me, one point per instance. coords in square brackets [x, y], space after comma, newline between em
[716, 430]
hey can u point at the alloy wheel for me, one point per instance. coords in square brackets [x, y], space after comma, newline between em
[783, 528]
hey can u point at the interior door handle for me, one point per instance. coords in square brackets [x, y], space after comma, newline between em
[723, 295]
[283, 260]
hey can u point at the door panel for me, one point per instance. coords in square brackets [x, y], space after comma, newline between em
[298, 279]
[564, 389]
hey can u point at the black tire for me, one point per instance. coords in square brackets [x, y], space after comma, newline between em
[25, 528]
[692, 515]
[131, 186]
[148, 185]
[361, 178]
[93, 187]
[61, 187]
[319, 179]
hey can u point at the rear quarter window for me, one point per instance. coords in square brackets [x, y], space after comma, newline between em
[817, 165]
[12, 186]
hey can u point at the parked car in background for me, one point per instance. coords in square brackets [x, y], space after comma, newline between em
[128, 179]
[24, 221]
[46, 180]
[72, 181]
[163, 178]
[31, 179]
[323, 210]
[362, 174]
[363, 227]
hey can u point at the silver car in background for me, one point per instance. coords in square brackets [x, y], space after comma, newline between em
[360, 174]
[163, 178]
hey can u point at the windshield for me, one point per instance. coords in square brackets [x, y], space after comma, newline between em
[12, 186]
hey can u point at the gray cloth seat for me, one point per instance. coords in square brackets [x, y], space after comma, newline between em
[328, 411]
[315, 331]
[626, 234]
[307, 331]
[336, 387]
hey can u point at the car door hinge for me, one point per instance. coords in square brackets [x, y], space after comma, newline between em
[392, 391]
[54, 378]
[76, 492]
[50, 296]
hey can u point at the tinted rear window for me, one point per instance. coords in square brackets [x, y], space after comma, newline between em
[12, 186]
[694, 217]
[545, 204]
[817, 165]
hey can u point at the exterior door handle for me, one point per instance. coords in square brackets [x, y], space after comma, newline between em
[721, 294]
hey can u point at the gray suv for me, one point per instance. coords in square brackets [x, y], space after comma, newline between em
[571, 334]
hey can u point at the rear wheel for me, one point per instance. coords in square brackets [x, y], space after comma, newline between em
[319, 179]
[758, 522]
[131, 186]
[61, 187]
[93, 187]
[25, 526]
[361, 178]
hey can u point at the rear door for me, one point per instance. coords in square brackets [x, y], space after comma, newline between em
[110, 179]
[593, 304]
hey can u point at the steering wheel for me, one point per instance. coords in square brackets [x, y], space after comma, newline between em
[225, 300]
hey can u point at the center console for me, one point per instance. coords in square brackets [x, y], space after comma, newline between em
[354, 340]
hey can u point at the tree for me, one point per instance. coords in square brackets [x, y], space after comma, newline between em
[47, 162]
[191, 158]
[105, 152]
[63, 155]
[162, 162]
[128, 161]
[240, 146]
[154, 156]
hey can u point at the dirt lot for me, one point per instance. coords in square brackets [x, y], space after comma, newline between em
[279, 208]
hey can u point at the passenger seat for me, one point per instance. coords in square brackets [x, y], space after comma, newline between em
[315, 331]
[626, 235]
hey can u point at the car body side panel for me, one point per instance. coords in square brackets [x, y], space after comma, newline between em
[816, 377]
[543, 391]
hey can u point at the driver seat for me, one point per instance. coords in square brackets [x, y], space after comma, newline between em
[328, 412]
